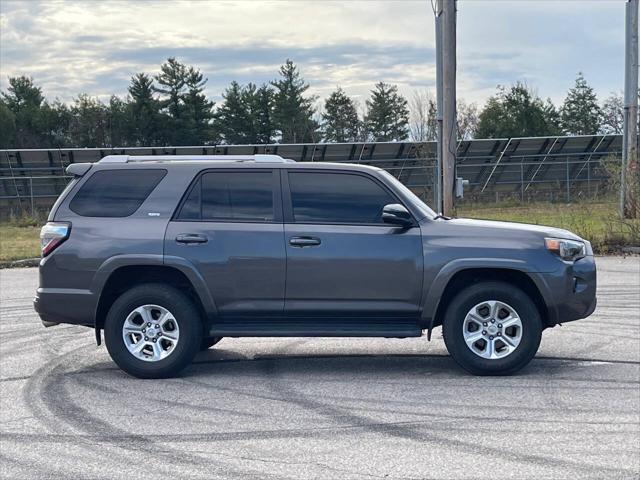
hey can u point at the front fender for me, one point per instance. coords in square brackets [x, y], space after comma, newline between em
[432, 298]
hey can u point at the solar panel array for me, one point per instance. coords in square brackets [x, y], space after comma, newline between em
[548, 168]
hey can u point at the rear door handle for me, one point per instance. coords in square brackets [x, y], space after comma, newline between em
[191, 238]
[304, 241]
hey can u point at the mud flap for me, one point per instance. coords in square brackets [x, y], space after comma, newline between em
[98, 336]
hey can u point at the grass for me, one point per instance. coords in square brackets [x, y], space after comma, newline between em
[18, 242]
[597, 222]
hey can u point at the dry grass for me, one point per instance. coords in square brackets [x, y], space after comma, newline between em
[18, 242]
[597, 222]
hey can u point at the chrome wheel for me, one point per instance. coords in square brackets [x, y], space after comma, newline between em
[150, 333]
[492, 329]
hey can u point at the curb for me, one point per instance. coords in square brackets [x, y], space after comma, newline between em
[24, 263]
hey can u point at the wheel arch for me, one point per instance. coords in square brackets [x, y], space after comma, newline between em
[448, 284]
[123, 276]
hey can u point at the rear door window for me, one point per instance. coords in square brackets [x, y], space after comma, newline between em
[231, 197]
[115, 193]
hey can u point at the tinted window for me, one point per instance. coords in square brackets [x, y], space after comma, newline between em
[115, 193]
[336, 198]
[239, 196]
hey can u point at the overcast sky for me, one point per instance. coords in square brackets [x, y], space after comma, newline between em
[94, 47]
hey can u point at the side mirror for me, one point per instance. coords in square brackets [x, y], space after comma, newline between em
[396, 214]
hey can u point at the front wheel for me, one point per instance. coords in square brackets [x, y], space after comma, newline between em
[153, 331]
[492, 328]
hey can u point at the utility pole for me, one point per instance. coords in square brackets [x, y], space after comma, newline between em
[446, 99]
[630, 176]
[439, 92]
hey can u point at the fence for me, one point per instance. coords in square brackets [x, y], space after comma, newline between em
[520, 169]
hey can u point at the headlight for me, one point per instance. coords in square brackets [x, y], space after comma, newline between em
[566, 249]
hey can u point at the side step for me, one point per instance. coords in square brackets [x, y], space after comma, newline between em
[315, 327]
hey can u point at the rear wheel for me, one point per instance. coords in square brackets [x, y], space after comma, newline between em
[153, 331]
[492, 328]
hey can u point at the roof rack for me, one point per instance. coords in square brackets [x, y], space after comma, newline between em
[195, 158]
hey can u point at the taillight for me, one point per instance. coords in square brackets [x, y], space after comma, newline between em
[52, 235]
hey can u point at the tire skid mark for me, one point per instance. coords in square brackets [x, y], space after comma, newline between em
[169, 403]
[49, 386]
[404, 431]
[43, 473]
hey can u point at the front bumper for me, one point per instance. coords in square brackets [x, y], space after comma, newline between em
[572, 291]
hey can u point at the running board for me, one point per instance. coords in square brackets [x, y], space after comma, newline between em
[314, 327]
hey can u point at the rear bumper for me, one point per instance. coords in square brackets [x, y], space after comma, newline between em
[65, 305]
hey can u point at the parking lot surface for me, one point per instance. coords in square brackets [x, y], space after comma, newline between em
[324, 408]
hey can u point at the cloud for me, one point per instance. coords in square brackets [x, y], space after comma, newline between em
[95, 47]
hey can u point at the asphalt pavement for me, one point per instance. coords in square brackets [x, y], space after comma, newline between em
[328, 408]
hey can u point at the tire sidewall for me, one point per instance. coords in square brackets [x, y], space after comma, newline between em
[185, 314]
[514, 297]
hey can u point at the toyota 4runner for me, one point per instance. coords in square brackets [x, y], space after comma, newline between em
[169, 254]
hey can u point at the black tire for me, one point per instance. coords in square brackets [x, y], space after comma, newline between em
[452, 329]
[183, 310]
[208, 342]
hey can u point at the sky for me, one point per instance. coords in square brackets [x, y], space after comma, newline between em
[94, 47]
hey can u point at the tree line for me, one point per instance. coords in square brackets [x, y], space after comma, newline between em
[171, 108]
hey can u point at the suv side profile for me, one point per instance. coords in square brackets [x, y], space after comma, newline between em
[169, 254]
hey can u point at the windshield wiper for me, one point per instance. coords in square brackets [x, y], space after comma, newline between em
[442, 217]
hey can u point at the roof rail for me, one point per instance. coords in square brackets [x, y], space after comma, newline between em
[195, 158]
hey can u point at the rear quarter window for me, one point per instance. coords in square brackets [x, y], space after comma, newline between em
[115, 193]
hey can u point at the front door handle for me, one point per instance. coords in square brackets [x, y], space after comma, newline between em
[304, 241]
[191, 238]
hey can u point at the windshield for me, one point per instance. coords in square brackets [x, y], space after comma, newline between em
[417, 202]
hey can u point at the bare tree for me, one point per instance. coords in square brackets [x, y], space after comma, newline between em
[612, 114]
[467, 119]
[422, 123]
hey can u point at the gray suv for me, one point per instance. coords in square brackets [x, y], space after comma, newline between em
[169, 254]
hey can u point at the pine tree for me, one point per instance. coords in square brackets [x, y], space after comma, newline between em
[145, 112]
[24, 99]
[172, 80]
[340, 118]
[262, 113]
[292, 111]
[580, 112]
[89, 125]
[516, 112]
[7, 126]
[55, 121]
[232, 119]
[118, 122]
[388, 115]
[198, 110]
[552, 117]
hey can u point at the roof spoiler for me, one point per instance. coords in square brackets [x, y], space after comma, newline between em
[78, 169]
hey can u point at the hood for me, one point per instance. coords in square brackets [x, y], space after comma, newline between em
[542, 230]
